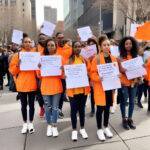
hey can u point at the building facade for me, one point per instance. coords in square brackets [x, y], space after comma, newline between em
[14, 14]
[50, 14]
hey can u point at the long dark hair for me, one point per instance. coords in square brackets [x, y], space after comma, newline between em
[134, 50]
[46, 51]
[94, 41]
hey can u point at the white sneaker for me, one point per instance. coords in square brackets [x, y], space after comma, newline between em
[101, 135]
[24, 128]
[55, 131]
[108, 133]
[74, 135]
[112, 110]
[31, 128]
[83, 133]
[49, 131]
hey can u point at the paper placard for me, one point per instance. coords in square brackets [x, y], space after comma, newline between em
[85, 33]
[29, 60]
[110, 76]
[76, 76]
[48, 28]
[17, 37]
[51, 66]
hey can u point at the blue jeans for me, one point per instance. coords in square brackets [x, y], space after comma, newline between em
[51, 103]
[127, 92]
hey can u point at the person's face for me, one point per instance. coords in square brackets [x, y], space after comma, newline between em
[105, 46]
[128, 45]
[42, 39]
[141, 52]
[60, 39]
[27, 43]
[77, 48]
[51, 46]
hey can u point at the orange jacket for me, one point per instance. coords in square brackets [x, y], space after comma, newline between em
[70, 92]
[51, 85]
[99, 93]
[39, 48]
[123, 76]
[65, 52]
[25, 80]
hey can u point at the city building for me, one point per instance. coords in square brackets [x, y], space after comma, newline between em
[50, 14]
[14, 14]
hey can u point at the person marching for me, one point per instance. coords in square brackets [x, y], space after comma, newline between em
[51, 89]
[65, 50]
[128, 50]
[77, 97]
[92, 41]
[40, 48]
[103, 99]
[26, 86]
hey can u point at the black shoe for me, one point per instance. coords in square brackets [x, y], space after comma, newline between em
[140, 105]
[125, 124]
[61, 115]
[131, 124]
[7, 84]
[92, 114]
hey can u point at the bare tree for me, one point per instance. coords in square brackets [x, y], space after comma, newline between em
[136, 10]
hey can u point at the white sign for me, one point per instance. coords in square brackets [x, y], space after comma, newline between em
[85, 33]
[51, 66]
[115, 51]
[17, 37]
[29, 60]
[133, 29]
[88, 51]
[134, 68]
[48, 28]
[76, 76]
[110, 76]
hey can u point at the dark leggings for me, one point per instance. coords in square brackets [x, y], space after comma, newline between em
[99, 114]
[149, 98]
[77, 104]
[63, 94]
[27, 98]
[92, 101]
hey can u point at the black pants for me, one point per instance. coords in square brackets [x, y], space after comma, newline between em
[1, 80]
[63, 94]
[148, 97]
[92, 101]
[77, 104]
[39, 98]
[27, 98]
[99, 116]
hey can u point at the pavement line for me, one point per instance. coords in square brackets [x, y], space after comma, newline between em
[97, 143]
[25, 142]
[120, 137]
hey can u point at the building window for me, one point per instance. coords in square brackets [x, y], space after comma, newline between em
[23, 4]
[23, 10]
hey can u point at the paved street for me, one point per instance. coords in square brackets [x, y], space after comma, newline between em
[11, 123]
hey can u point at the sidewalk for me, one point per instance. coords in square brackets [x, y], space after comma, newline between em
[12, 139]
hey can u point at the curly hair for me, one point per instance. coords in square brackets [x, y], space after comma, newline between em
[134, 50]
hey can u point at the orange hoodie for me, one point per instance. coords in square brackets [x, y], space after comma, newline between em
[99, 93]
[65, 52]
[25, 80]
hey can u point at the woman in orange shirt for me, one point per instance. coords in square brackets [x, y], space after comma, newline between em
[77, 96]
[128, 50]
[26, 86]
[51, 89]
[103, 99]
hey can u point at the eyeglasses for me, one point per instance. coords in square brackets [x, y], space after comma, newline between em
[51, 45]
[77, 46]
[27, 42]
